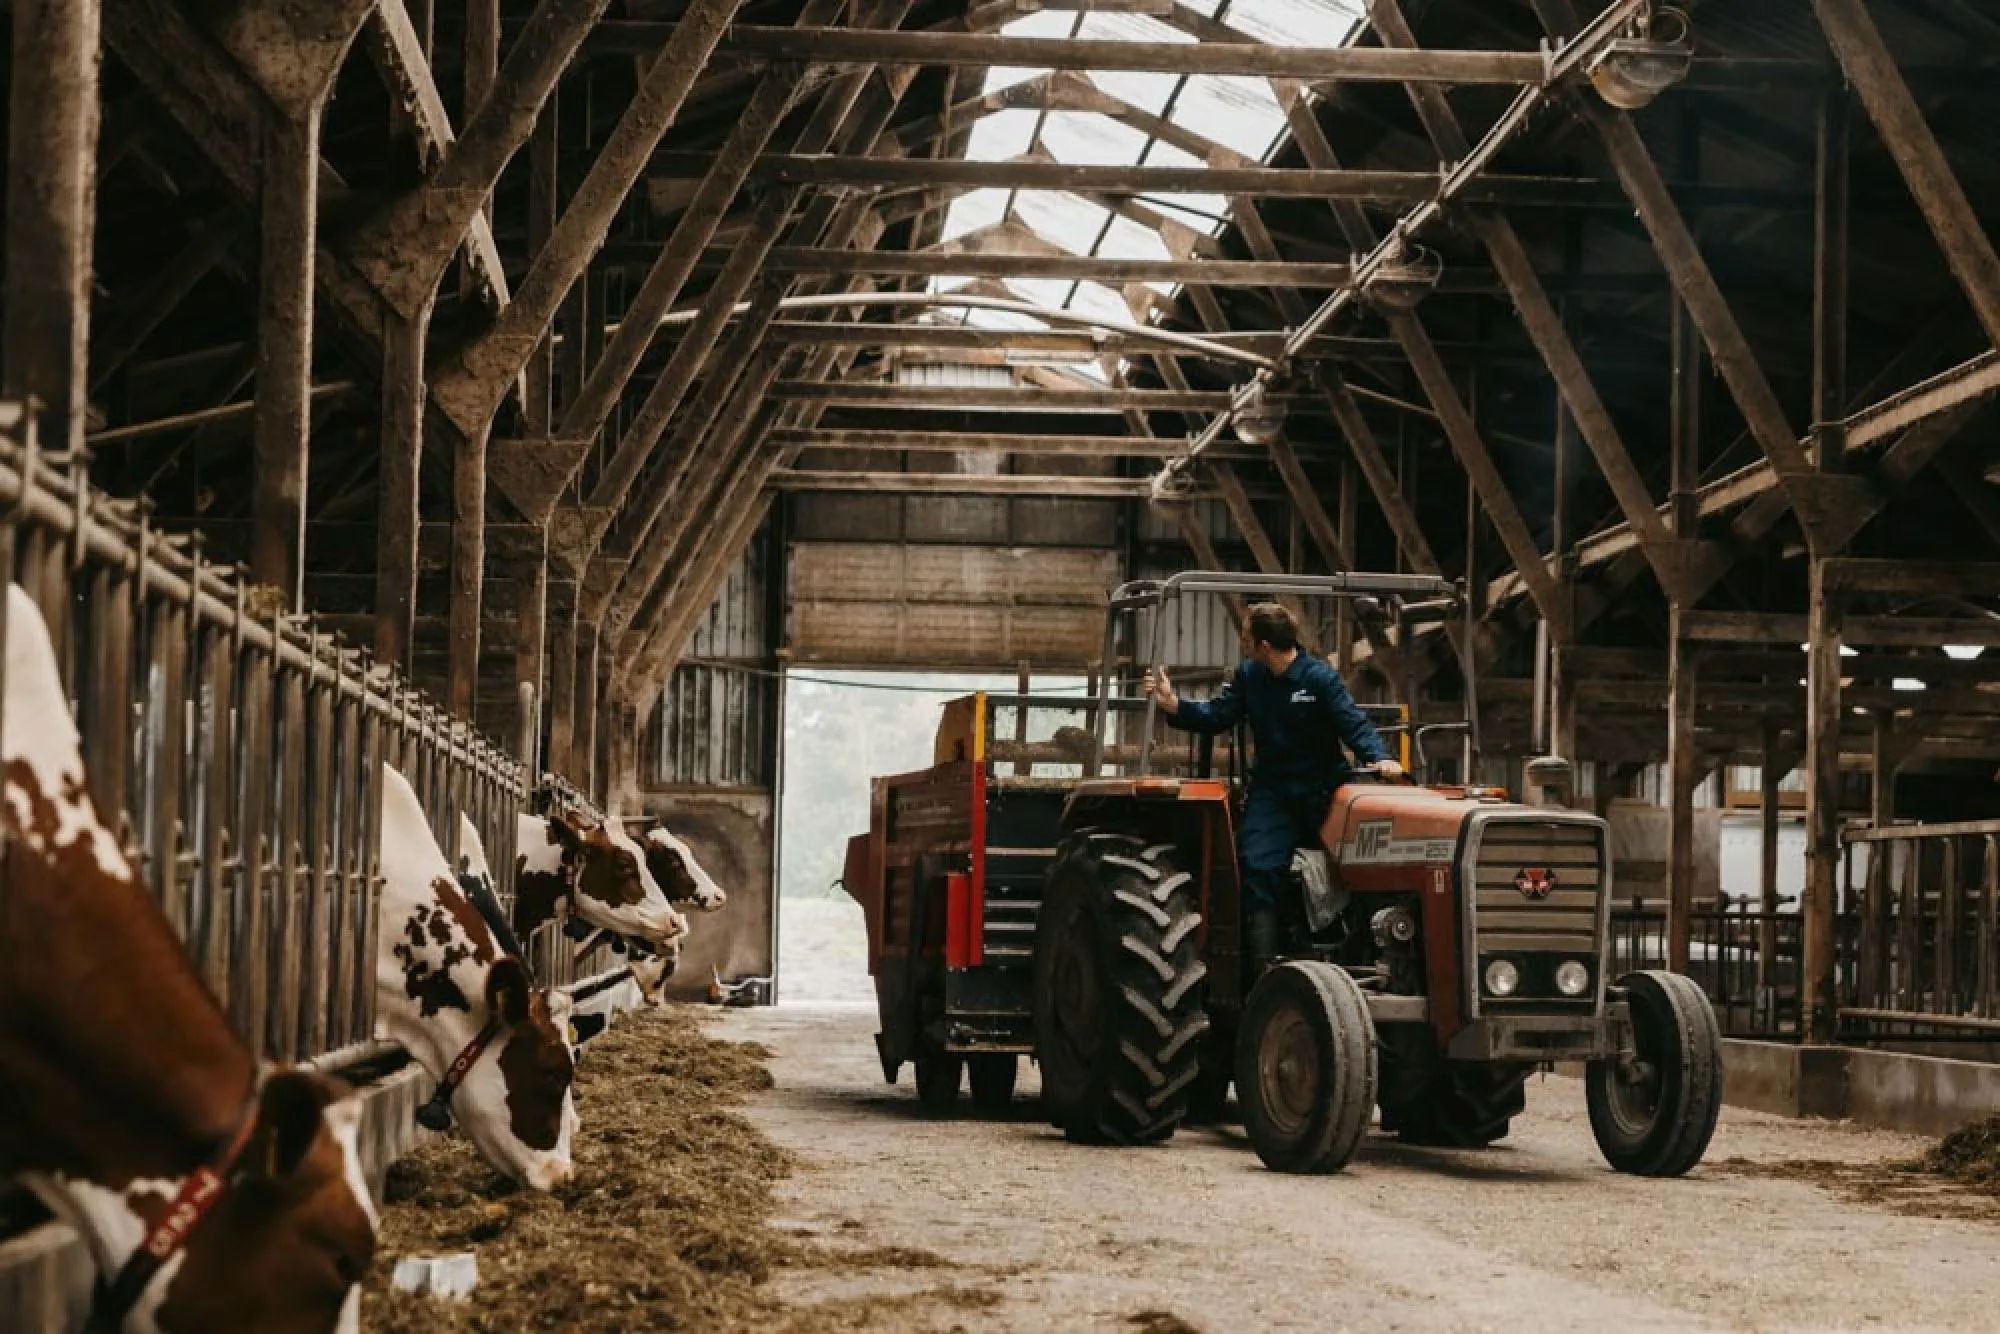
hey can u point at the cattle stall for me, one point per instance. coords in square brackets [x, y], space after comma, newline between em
[236, 753]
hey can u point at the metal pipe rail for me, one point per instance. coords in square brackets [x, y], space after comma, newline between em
[236, 752]
[1574, 55]
[1928, 900]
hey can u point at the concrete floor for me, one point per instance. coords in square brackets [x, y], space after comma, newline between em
[1534, 1234]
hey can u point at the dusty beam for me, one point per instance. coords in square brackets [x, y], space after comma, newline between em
[978, 442]
[850, 46]
[1857, 43]
[1390, 187]
[1083, 268]
[961, 484]
[470, 384]
[404, 247]
[836, 393]
[51, 192]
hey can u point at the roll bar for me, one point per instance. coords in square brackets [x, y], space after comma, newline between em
[1407, 599]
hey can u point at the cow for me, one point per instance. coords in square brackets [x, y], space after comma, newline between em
[467, 1011]
[679, 875]
[475, 877]
[602, 875]
[212, 1196]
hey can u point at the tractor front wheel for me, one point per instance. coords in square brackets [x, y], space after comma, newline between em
[1305, 1067]
[1119, 989]
[1653, 1115]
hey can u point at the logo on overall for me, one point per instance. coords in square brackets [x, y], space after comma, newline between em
[1535, 882]
[1302, 697]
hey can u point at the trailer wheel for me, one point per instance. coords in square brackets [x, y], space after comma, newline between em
[993, 1074]
[1118, 990]
[1654, 1116]
[938, 1078]
[1305, 1067]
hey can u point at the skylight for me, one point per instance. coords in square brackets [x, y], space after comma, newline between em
[1207, 116]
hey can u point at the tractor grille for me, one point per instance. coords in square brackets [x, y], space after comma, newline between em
[1538, 888]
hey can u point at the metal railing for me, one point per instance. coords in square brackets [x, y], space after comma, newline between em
[1928, 952]
[236, 752]
[1747, 960]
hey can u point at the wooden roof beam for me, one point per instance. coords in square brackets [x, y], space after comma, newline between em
[1391, 187]
[471, 382]
[855, 46]
[962, 263]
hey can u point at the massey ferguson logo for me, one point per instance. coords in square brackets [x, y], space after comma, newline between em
[1535, 882]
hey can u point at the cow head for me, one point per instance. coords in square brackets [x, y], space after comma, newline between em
[450, 995]
[116, 1095]
[611, 887]
[284, 1248]
[517, 1104]
[679, 875]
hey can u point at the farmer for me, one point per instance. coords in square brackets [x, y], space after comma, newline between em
[1301, 715]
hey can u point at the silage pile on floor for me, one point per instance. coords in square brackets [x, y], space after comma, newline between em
[1956, 1178]
[663, 1226]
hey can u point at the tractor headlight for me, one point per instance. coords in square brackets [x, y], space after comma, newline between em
[1572, 978]
[1502, 978]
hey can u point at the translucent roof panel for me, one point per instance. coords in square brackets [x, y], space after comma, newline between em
[1227, 115]
[1072, 222]
[1086, 137]
[1294, 22]
[1238, 113]
[973, 210]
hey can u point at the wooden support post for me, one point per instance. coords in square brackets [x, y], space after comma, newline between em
[584, 741]
[562, 677]
[528, 655]
[538, 409]
[468, 571]
[1823, 718]
[1683, 773]
[397, 518]
[283, 423]
[1865, 58]
[1244, 515]
[1830, 252]
[1350, 518]
[51, 214]
[1768, 779]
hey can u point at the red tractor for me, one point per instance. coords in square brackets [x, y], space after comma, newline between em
[1457, 944]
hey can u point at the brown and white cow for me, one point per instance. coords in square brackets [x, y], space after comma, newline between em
[680, 876]
[126, 1102]
[599, 872]
[469, 1013]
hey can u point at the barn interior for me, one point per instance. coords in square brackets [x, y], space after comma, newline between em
[594, 364]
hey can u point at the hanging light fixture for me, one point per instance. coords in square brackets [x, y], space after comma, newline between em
[1653, 56]
[1409, 274]
[1260, 419]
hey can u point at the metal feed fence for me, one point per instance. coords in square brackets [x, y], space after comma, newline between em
[1927, 955]
[235, 750]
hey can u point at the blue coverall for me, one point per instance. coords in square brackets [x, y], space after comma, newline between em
[1300, 718]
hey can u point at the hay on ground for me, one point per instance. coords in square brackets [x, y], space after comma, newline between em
[666, 1225]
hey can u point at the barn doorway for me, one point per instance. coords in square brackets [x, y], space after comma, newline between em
[842, 729]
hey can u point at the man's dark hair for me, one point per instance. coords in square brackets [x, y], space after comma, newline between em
[1272, 623]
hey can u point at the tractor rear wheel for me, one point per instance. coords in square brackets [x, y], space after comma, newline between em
[1653, 1116]
[1305, 1067]
[938, 1078]
[1118, 989]
[993, 1074]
